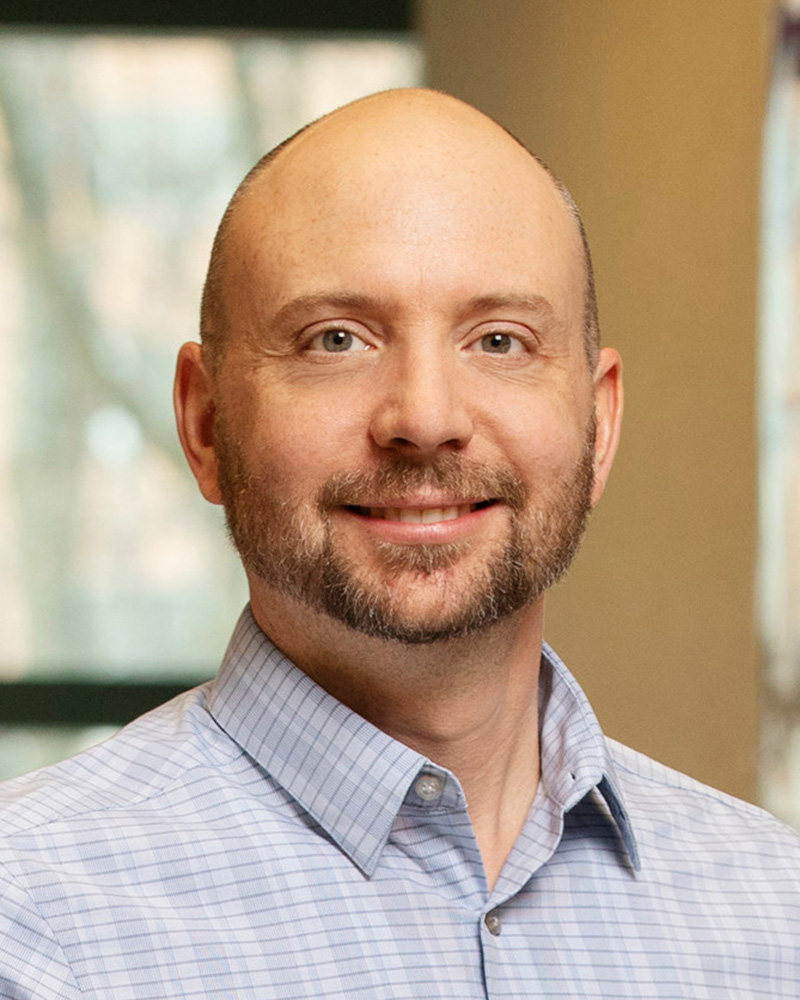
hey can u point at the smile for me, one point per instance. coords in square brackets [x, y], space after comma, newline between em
[421, 515]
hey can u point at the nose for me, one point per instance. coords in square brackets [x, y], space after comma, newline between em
[423, 408]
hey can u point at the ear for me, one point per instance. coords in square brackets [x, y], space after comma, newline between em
[608, 404]
[193, 396]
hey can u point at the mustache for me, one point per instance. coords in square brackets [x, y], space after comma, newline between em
[400, 479]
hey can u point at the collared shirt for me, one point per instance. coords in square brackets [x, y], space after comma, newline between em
[254, 838]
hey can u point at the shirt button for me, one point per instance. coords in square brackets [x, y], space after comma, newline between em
[493, 923]
[429, 787]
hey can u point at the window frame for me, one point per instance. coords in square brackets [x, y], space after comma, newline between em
[273, 15]
[60, 701]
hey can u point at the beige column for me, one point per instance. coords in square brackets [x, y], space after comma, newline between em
[651, 112]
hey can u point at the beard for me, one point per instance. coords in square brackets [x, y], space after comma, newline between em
[296, 549]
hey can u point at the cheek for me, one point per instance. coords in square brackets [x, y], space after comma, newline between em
[543, 438]
[299, 442]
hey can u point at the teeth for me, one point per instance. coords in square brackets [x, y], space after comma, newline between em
[420, 515]
[439, 514]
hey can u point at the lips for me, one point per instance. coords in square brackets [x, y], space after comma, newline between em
[420, 515]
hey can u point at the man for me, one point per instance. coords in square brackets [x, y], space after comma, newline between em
[393, 789]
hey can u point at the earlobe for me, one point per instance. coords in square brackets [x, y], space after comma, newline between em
[193, 396]
[608, 402]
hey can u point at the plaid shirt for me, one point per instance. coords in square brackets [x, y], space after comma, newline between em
[255, 838]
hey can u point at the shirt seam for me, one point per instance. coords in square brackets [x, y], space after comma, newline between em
[135, 802]
[731, 803]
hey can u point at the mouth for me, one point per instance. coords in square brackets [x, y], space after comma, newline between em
[420, 515]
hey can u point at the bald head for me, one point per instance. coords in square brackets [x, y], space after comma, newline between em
[397, 144]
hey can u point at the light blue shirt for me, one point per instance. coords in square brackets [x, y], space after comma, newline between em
[256, 839]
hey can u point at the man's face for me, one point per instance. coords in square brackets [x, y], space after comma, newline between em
[405, 427]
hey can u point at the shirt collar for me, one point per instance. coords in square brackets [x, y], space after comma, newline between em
[575, 758]
[351, 777]
[348, 775]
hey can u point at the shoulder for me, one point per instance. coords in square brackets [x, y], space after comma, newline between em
[674, 814]
[69, 830]
[134, 766]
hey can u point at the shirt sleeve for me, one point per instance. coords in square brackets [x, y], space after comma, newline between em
[32, 963]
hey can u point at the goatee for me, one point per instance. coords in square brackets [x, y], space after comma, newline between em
[295, 548]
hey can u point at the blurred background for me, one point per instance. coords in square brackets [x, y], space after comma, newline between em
[676, 126]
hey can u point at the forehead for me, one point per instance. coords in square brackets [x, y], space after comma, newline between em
[439, 205]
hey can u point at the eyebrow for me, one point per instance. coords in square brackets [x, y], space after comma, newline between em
[512, 300]
[331, 300]
[359, 302]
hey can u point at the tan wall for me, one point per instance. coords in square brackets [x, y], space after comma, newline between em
[651, 113]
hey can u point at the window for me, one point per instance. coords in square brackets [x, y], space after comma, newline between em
[779, 584]
[117, 157]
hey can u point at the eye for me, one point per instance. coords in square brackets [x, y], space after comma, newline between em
[499, 342]
[338, 340]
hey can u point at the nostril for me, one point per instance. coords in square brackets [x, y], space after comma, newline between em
[423, 425]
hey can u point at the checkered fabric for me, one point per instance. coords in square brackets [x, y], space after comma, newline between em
[256, 839]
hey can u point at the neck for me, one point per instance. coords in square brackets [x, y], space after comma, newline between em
[470, 705]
